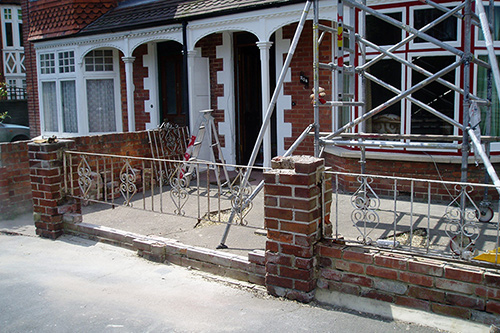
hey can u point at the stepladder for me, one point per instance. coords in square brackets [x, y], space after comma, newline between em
[205, 136]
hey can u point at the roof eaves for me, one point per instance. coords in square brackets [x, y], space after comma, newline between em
[186, 17]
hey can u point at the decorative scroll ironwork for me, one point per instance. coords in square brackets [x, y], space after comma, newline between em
[128, 179]
[84, 177]
[241, 204]
[178, 192]
[167, 142]
[240, 198]
[461, 225]
[364, 216]
[173, 139]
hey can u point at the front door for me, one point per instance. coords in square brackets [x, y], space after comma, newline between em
[170, 83]
[248, 96]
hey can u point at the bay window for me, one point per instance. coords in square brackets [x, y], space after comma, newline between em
[94, 108]
[405, 117]
[58, 93]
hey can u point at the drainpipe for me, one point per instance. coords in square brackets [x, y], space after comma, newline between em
[185, 83]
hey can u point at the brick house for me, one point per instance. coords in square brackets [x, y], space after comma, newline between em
[109, 66]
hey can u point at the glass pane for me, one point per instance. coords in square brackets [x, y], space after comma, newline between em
[9, 37]
[482, 85]
[444, 31]
[7, 14]
[68, 94]
[381, 32]
[95, 60]
[496, 23]
[436, 95]
[49, 106]
[47, 63]
[170, 83]
[101, 105]
[21, 42]
[66, 62]
[344, 113]
[389, 120]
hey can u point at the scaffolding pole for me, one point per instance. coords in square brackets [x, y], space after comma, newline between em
[393, 100]
[267, 118]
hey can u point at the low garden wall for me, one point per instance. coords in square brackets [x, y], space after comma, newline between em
[15, 184]
[299, 262]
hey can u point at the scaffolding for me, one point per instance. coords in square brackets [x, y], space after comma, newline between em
[342, 66]
[349, 61]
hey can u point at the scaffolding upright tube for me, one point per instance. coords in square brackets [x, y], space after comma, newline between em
[489, 44]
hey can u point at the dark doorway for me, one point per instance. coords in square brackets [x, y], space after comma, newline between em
[170, 83]
[248, 96]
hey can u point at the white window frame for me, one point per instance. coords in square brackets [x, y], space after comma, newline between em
[426, 45]
[387, 11]
[96, 75]
[482, 43]
[16, 51]
[14, 19]
[57, 77]
[403, 87]
[456, 97]
[495, 146]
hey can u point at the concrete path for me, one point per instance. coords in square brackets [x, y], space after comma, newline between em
[76, 285]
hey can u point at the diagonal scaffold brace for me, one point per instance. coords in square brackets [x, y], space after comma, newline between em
[245, 201]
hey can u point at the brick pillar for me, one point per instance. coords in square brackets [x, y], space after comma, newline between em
[47, 184]
[293, 222]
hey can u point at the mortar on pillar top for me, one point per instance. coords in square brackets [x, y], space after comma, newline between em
[288, 162]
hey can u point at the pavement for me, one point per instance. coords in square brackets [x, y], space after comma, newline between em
[74, 284]
[77, 285]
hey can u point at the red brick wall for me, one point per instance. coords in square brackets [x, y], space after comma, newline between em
[209, 50]
[15, 185]
[410, 169]
[140, 94]
[299, 262]
[293, 220]
[462, 291]
[127, 144]
[31, 76]
[301, 113]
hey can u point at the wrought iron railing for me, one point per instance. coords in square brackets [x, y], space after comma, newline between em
[418, 215]
[195, 189]
[14, 93]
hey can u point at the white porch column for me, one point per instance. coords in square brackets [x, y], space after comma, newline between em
[266, 97]
[129, 77]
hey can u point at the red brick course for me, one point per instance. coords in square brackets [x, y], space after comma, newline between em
[15, 182]
[462, 291]
[292, 225]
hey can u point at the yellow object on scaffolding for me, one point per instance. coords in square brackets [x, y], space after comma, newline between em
[489, 256]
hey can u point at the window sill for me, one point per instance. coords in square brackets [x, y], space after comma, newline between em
[404, 157]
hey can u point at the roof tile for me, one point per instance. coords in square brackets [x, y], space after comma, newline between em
[134, 13]
[52, 19]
